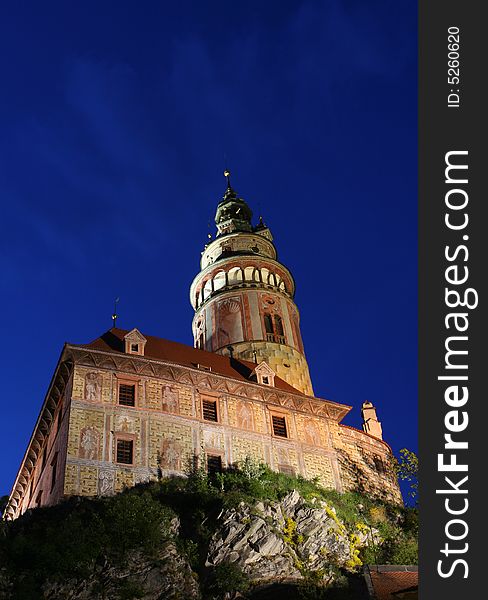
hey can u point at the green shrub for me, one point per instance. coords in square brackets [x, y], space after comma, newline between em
[136, 520]
[228, 577]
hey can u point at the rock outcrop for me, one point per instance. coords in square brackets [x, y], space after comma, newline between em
[284, 540]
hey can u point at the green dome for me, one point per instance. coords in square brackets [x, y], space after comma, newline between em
[233, 214]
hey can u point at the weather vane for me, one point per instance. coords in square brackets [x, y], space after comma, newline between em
[114, 316]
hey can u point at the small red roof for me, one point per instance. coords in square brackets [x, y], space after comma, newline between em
[390, 582]
[181, 354]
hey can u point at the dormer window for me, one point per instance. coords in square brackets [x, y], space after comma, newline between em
[264, 374]
[135, 342]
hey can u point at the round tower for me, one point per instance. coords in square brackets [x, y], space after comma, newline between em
[243, 296]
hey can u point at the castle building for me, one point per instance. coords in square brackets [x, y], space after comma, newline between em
[129, 407]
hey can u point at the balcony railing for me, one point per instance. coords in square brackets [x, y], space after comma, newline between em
[278, 339]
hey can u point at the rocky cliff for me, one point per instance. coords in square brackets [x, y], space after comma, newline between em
[198, 539]
[285, 540]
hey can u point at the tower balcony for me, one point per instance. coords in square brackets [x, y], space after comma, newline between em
[277, 339]
[246, 274]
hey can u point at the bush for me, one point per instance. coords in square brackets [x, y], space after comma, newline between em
[136, 520]
[228, 577]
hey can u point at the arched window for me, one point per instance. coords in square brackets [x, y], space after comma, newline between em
[219, 281]
[268, 323]
[235, 276]
[207, 289]
[279, 326]
[200, 342]
[248, 273]
[273, 326]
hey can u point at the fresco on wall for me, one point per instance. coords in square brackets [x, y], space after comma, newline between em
[93, 386]
[312, 434]
[229, 322]
[170, 400]
[170, 455]
[244, 415]
[89, 443]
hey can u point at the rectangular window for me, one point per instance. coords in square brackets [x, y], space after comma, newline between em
[286, 469]
[134, 347]
[39, 498]
[125, 452]
[127, 394]
[279, 426]
[210, 410]
[214, 464]
[54, 465]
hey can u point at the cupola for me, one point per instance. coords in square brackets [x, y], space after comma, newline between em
[233, 214]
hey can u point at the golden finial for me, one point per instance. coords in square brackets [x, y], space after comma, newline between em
[115, 315]
[227, 176]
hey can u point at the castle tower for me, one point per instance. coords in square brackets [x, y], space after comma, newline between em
[243, 296]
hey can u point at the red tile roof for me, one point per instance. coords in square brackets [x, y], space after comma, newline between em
[388, 580]
[181, 354]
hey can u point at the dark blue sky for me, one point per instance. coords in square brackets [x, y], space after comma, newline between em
[115, 118]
